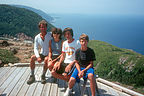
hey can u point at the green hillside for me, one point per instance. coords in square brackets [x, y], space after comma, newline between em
[15, 20]
[117, 64]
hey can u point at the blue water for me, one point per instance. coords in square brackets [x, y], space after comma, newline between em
[121, 31]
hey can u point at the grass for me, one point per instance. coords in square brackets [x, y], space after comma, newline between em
[7, 56]
[118, 64]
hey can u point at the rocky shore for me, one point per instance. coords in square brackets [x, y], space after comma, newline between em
[23, 49]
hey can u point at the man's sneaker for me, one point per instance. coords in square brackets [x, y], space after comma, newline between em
[43, 80]
[68, 91]
[31, 79]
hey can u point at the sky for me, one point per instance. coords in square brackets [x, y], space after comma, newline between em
[132, 7]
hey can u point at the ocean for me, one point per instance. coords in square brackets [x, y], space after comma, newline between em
[124, 31]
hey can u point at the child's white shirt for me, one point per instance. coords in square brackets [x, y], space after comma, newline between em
[69, 49]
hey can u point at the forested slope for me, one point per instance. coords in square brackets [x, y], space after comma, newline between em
[14, 20]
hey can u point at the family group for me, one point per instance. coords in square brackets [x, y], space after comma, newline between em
[67, 59]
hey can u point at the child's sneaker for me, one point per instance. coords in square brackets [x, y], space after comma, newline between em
[68, 91]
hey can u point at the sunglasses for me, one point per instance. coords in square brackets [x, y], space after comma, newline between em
[56, 33]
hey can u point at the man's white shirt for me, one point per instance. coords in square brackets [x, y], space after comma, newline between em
[43, 44]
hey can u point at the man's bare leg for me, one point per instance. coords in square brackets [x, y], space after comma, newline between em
[32, 66]
[43, 79]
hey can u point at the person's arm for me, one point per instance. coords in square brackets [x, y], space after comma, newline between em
[36, 52]
[89, 66]
[54, 60]
[80, 73]
[77, 65]
[69, 66]
[62, 57]
[57, 67]
[50, 52]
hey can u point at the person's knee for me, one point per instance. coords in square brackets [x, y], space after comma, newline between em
[72, 80]
[90, 76]
[33, 58]
[49, 64]
[45, 59]
[53, 72]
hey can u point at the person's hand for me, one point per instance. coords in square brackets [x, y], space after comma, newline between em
[80, 74]
[54, 60]
[68, 68]
[49, 59]
[39, 60]
[64, 74]
[56, 66]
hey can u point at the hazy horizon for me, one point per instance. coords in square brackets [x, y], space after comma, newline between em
[109, 7]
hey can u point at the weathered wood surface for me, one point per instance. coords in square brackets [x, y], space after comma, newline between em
[13, 82]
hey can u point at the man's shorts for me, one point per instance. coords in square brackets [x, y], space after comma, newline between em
[42, 56]
[75, 73]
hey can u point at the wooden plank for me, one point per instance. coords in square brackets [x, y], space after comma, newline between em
[54, 88]
[20, 82]
[4, 71]
[76, 89]
[27, 64]
[1, 69]
[14, 81]
[110, 90]
[25, 86]
[7, 82]
[88, 88]
[6, 75]
[33, 86]
[39, 88]
[47, 86]
[123, 89]
[61, 87]
[124, 94]
[81, 86]
[46, 89]
[107, 92]
[101, 91]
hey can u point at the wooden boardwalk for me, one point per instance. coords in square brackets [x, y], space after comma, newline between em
[13, 82]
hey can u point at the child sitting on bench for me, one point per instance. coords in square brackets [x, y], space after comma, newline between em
[84, 58]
